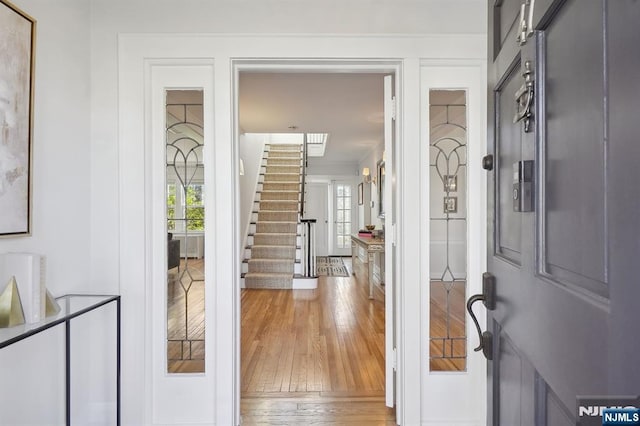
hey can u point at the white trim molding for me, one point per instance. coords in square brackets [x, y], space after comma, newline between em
[456, 398]
[403, 53]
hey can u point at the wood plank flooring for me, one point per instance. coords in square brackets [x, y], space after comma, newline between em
[313, 357]
[324, 340]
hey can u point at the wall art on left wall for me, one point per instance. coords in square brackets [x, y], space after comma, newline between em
[17, 41]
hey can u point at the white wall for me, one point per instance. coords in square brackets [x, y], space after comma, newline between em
[61, 211]
[251, 151]
[61, 145]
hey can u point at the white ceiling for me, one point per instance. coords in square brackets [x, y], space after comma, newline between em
[348, 106]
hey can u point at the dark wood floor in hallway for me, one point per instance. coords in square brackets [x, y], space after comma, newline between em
[313, 356]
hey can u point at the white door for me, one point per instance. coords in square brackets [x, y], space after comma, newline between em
[389, 246]
[343, 226]
[317, 203]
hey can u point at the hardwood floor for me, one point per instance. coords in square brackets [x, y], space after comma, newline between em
[313, 410]
[313, 357]
[324, 340]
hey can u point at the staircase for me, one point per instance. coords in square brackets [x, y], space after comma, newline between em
[272, 255]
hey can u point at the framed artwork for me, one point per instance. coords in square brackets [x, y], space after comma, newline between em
[450, 204]
[360, 194]
[17, 41]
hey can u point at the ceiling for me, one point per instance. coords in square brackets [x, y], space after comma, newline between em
[347, 106]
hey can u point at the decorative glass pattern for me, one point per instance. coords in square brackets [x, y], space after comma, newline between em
[343, 216]
[448, 221]
[185, 227]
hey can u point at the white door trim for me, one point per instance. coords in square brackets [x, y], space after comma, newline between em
[457, 397]
[399, 52]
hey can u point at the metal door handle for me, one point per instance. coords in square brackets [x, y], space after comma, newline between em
[489, 300]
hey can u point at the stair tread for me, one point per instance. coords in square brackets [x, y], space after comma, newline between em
[274, 221]
[277, 201]
[272, 245]
[253, 234]
[270, 233]
[270, 260]
[266, 274]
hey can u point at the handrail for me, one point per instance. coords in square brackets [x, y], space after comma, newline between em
[304, 174]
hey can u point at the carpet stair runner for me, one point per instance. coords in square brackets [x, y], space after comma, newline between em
[271, 263]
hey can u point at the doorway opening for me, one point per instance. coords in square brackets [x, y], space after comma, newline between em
[323, 348]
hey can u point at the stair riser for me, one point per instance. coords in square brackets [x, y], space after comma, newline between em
[261, 283]
[277, 205]
[276, 177]
[297, 268]
[283, 147]
[281, 169]
[281, 162]
[266, 267]
[267, 216]
[266, 239]
[281, 228]
[283, 154]
[277, 196]
[253, 253]
[279, 186]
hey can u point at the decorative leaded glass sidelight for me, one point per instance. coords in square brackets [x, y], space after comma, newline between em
[185, 194]
[448, 225]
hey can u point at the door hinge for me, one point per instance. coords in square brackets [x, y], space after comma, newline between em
[395, 359]
[525, 28]
[394, 108]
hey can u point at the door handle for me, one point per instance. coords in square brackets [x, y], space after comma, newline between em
[488, 298]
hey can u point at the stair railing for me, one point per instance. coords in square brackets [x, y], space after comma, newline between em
[304, 175]
[309, 247]
[308, 252]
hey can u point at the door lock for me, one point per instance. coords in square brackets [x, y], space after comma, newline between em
[487, 162]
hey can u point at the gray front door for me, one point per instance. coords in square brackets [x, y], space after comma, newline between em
[566, 260]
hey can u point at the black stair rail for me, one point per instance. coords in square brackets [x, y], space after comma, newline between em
[303, 189]
[309, 248]
[308, 255]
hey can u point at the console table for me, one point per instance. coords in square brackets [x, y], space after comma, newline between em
[71, 306]
[369, 251]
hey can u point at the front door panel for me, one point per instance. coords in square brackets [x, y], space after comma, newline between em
[559, 290]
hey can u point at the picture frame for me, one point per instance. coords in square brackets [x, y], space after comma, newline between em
[450, 205]
[360, 193]
[17, 60]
